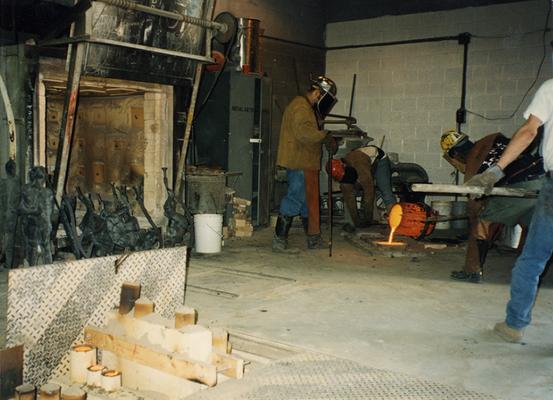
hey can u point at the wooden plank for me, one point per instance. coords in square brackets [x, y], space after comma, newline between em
[475, 190]
[131, 349]
[228, 365]
[220, 341]
[185, 316]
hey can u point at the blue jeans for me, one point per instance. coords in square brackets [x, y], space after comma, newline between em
[531, 263]
[294, 203]
[383, 178]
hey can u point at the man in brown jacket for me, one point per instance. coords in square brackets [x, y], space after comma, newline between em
[299, 151]
[488, 216]
[365, 167]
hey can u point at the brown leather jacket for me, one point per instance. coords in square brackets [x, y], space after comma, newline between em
[300, 139]
[476, 156]
[362, 164]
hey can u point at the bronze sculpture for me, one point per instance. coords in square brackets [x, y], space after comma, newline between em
[37, 212]
[10, 192]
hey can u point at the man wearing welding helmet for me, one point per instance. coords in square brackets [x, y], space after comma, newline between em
[363, 168]
[299, 152]
[488, 216]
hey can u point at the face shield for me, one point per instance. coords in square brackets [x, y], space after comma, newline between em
[325, 104]
[327, 88]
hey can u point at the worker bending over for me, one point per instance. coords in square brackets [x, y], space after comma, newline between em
[363, 168]
[488, 216]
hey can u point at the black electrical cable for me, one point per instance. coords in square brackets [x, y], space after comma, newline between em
[210, 91]
[544, 34]
[509, 36]
[219, 73]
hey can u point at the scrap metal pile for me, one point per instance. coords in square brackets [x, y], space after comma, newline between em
[30, 216]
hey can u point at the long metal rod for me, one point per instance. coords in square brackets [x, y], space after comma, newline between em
[68, 118]
[109, 42]
[179, 187]
[461, 114]
[476, 190]
[329, 190]
[131, 5]
[395, 43]
[151, 49]
[352, 95]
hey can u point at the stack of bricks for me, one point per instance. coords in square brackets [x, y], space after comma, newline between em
[240, 225]
[174, 357]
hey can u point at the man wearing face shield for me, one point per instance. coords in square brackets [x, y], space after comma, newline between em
[299, 151]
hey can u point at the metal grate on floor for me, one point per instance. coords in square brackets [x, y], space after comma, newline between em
[309, 376]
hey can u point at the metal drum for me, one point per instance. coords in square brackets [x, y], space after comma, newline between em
[205, 194]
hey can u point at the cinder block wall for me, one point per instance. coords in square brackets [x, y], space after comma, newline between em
[410, 93]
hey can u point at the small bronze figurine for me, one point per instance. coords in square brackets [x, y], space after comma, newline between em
[37, 212]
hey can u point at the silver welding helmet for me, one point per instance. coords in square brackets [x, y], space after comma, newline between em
[328, 95]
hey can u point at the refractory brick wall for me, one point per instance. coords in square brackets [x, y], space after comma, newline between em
[410, 93]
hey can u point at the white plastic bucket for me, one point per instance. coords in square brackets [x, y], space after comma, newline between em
[208, 232]
[512, 236]
[459, 209]
[443, 208]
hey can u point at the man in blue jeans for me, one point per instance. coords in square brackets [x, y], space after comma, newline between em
[539, 242]
[299, 151]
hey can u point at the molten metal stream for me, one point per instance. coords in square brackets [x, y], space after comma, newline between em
[394, 221]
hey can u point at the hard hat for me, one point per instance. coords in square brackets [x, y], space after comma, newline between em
[325, 84]
[337, 169]
[451, 138]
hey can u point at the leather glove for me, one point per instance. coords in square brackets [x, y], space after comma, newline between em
[486, 179]
[330, 144]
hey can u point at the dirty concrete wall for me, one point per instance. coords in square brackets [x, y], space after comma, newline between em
[287, 65]
[410, 93]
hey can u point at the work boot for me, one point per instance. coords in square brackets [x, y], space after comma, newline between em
[315, 242]
[365, 215]
[280, 239]
[507, 333]
[472, 277]
[349, 228]
[305, 224]
[483, 247]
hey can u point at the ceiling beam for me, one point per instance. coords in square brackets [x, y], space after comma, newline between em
[348, 10]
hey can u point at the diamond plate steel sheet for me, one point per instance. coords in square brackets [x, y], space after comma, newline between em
[48, 306]
[311, 376]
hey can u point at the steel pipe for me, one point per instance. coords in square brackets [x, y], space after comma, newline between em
[131, 5]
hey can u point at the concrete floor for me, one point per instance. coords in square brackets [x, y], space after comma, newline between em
[399, 314]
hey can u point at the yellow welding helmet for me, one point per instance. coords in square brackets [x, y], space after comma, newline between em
[452, 138]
